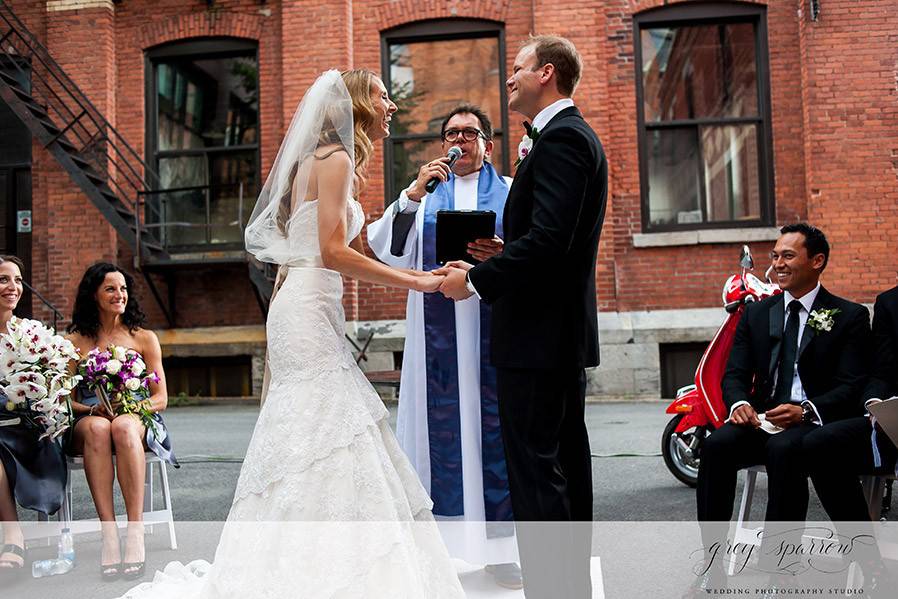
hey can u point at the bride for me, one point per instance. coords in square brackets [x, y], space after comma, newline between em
[327, 505]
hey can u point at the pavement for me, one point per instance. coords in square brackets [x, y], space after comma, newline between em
[632, 488]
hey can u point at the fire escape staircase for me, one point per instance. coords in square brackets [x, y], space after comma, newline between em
[95, 155]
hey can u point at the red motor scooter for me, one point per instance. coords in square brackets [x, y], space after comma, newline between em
[699, 409]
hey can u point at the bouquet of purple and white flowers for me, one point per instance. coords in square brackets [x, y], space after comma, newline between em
[34, 375]
[121, 380]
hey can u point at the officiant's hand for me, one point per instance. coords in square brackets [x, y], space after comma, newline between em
[438, 168]
[483, 249]
[454, 285]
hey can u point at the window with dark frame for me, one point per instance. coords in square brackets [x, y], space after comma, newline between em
[430, 68]
[203, 140]
[705, 144]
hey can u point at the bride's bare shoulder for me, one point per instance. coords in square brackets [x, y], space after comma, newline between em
[332, 159]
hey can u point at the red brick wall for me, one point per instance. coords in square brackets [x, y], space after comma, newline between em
[851, 132]
[835, 144]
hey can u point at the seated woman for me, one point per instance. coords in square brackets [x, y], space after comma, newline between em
[32, 471]
[105, 313]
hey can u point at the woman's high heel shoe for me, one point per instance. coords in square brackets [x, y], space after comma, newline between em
[133, 570]
[12, 569]
[110, 572]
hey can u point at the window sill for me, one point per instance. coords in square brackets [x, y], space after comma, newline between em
[703, 236]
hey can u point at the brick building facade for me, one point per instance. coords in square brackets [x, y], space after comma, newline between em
[720, 120]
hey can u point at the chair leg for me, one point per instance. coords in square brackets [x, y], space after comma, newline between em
[166, 498]
[748, 493]
[148, 493]
[874, 497]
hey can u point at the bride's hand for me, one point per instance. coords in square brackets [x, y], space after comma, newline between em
[428, 282]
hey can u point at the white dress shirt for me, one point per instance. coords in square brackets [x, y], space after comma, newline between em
[545, 115]
[798, 395]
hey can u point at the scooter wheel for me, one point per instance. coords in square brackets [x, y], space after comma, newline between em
[681, 451]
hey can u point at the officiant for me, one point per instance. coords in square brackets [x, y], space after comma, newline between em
[448, 420]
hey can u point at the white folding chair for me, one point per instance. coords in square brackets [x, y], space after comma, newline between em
[151, 516]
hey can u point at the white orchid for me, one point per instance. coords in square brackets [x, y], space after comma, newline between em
[34, 374]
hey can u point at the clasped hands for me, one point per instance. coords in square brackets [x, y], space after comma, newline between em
[783, 416]
[454, 274]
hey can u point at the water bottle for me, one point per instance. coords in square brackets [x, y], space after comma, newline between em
[66, 549]
[62, 563]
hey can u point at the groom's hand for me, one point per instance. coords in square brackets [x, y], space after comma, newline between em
[454, 285]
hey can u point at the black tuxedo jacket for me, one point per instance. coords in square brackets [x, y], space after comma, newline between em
[832, 365]
[542, 286]
[884, 376]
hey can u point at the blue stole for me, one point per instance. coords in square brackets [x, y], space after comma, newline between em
[441, 359]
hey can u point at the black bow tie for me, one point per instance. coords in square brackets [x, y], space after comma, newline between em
[528, 128]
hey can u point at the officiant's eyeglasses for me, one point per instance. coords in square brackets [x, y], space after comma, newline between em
[467, 134]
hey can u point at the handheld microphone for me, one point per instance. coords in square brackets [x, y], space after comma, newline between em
[453, 155]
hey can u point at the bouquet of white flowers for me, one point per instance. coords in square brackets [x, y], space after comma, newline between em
[34, 375]
[121, 380]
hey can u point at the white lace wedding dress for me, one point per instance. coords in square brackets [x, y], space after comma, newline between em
[327, 505]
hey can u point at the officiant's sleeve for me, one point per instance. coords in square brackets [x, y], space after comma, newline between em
[394, 236]
[561, 177]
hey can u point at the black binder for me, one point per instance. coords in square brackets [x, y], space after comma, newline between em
[457, 228]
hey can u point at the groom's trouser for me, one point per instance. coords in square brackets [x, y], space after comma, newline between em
[550, 477]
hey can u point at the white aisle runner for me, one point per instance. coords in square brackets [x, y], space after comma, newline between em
[480, 585]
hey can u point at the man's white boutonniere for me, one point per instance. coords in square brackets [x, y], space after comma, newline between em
[822, 320]
[526, 143]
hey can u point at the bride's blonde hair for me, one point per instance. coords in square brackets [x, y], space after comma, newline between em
[358, 82]
[364, 117]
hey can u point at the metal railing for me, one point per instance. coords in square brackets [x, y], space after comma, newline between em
[161, 204]
[72, 113]
[57, 315]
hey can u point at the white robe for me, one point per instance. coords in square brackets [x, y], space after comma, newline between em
[466, 540]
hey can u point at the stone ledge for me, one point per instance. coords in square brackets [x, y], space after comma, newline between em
[59, 5]
[702, 236]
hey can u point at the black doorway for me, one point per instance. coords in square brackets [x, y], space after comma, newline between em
[15, 185]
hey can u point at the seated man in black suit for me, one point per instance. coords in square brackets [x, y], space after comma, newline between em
[835, 454]
[797, 362]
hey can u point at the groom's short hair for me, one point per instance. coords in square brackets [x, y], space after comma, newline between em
[564, 57]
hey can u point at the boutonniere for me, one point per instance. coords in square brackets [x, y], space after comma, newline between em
[822, 320]
[526, 143]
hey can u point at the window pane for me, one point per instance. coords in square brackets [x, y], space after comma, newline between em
[178, 209]
[704, 71]
[428, 79]
[226, 214]
[674, 182]
[207, 102]
[186, 213]
[410, 155]
[730, 159]
[714, 166]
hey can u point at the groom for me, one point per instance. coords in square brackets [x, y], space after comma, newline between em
[544, 321]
